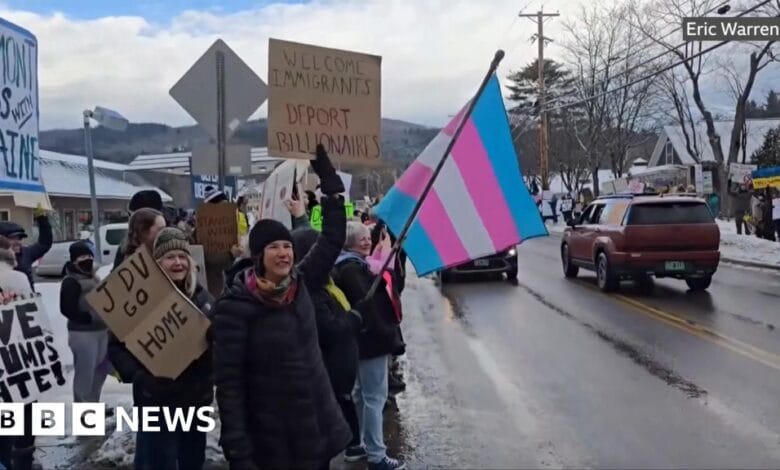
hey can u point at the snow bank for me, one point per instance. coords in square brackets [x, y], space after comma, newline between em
[746, 247]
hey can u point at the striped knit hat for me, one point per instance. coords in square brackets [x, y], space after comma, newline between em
[169, 239]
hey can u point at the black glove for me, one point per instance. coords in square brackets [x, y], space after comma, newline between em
[151, 386]
[330, 182]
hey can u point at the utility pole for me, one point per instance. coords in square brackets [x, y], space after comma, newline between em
[539, 17]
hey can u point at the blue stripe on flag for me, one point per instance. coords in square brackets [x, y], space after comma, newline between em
[421, 251]
[394, 210]
[490, 120]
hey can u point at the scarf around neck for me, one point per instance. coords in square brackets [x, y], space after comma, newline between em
[269, 292]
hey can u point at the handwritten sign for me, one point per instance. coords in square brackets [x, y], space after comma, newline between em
[19, 165]
[29, 362]
[328, 96]
[217, 229]
[143, 308]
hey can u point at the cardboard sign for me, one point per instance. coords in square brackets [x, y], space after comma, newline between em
[328, 96]
[20, 168]
[29, 362]
[142, 307]
[217, 229]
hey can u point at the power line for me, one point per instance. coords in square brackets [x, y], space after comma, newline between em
[652, 59]
[646, 77]
[666, 35]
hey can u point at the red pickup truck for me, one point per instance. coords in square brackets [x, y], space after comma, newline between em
[640, 236]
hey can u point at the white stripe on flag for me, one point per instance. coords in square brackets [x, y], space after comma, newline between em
[433, 152]
[460, 207]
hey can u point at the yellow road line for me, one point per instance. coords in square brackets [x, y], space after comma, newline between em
[700, 331]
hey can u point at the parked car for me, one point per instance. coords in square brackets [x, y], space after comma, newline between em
[643, 236]
[504, 262]
[53, 263]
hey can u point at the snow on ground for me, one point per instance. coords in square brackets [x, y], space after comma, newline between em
[118, 449]
[746, 247]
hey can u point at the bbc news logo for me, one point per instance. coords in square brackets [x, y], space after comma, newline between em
[89, 419]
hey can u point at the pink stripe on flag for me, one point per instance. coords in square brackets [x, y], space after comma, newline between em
[450, 128]
[481, 183]
[437, 224]
[414, 180]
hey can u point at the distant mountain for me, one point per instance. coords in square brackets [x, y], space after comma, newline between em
[401, 141]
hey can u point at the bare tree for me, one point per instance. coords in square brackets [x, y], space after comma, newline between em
[675, 89]
[660, 15]
[592, 55]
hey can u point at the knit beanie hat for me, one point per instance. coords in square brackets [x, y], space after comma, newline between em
[146, 198]
[213, 195]
[80, 248]
[266, 232]
[169, 239]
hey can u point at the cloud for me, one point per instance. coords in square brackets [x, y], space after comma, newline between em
[434, 53]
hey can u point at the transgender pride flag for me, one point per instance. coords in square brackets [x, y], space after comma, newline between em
[479, 204]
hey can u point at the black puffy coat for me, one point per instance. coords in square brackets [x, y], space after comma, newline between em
[276, 404]
[337, 329]
[194, 387]
[381, 334]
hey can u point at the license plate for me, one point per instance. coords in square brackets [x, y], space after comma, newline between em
[482, 263]
[675, 266]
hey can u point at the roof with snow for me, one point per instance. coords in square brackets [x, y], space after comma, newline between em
[673, 135]
[67, 175]
[179, 162]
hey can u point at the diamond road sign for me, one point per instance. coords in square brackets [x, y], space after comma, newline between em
[196, 91]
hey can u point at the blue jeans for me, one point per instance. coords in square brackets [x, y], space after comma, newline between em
[167, 450]
[370, 396]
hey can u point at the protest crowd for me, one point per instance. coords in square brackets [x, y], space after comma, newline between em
[300, 351]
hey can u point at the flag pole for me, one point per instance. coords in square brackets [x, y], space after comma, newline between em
[405, 230]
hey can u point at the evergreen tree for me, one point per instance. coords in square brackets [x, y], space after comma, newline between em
[772, 108]
[769, 153]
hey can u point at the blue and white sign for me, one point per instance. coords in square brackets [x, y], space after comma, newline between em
[19, 166]
[200, 182]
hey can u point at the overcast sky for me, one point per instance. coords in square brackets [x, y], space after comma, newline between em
[126, 55]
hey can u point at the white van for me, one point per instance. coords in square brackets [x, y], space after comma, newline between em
[111, 238]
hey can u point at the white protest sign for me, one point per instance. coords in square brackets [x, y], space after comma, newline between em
[740, 173]
[279, 188]
[30, 364]
[19, 166]
[142, 307]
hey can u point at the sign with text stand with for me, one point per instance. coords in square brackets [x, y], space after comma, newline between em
[20, 168]
[161, 327]
[217, 231]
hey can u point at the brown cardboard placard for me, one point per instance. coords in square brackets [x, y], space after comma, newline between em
[138, 300]
[217, 229]
[322, 95]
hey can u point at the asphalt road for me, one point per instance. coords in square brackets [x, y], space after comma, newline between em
[553, 373]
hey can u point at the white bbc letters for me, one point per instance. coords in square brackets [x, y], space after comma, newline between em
[89, 419]
[11, 419]
[48, 419]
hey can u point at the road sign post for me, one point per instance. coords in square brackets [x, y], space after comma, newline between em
[220, 92]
